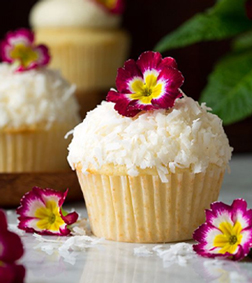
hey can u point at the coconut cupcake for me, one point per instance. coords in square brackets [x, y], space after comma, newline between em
[86, 42]
[155, 160]
[37, 108]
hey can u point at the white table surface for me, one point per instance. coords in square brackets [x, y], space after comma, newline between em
[112, 262]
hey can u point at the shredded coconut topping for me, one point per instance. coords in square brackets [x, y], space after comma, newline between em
[186, 136]
[36, 96]
[76, 13]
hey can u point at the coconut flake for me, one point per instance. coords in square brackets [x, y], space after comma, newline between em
[142, 251]
[180, 253]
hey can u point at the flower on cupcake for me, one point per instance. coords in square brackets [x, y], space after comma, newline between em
[147, 84]
[18, 48]
[112, 6]
[227, 231]
[41, 212]
[11, 250]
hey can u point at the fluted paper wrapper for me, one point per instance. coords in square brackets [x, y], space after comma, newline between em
[143, 209]
[88, 58]
[37, 150]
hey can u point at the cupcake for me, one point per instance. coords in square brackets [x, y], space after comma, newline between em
[155, 160]
[37, 108]
[86, 42]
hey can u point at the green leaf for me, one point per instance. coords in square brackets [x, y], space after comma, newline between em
[242, 42]
[229, 89]
[226, 19]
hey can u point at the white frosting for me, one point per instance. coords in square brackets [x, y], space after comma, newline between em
[71, 13]
[36, 96]
[186, 136]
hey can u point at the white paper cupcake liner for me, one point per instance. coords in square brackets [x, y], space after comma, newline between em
[37, 150]
[143, 209]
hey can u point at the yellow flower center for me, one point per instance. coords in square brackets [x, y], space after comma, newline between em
[145, 91]
[49, 217]
[230, 238]
[25, 54]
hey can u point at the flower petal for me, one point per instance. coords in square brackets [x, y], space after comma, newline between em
[43, 55]
[70, 218]
[219, 213]
[123, 104]
[149, 60]
[126, 74]
[3, 221]
[240, 213]
[12, 273]
[168, 62]
[11, 247]
[22, 35]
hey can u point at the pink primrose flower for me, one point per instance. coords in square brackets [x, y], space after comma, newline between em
[18, 48]
[41, 212]
[147, 84]
[227, 231]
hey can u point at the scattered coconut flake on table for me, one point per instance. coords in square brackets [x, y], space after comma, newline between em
[81, 228]
[68, 248]
[142, 251]
[180, 253]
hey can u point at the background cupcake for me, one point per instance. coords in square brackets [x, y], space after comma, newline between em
[154, 162]
[86, 42]
[37, 108]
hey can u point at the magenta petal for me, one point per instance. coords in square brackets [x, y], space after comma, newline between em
[19, 273]
[70, 218]
[168, 62]
[172, 78]
[217, 209]
[24, 35]
[12, 247]
[12, 273]
[3, 221]
[125, 75]
[29, 203]
[5, 52]
[240, 212]
[6, 273]
[123, 105]
[149, 60]
[44, 57]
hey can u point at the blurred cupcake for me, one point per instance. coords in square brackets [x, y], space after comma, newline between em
[37, 108]
[86, 42]
[155, 160]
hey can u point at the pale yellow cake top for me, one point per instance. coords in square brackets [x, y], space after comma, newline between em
[71, 13]
[33, 97]
[186, 136]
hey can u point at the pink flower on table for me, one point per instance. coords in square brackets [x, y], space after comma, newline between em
[112, 6]
[41, 212]
[227, 231]
[11, 249]
[19, 48]
[147, 84]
